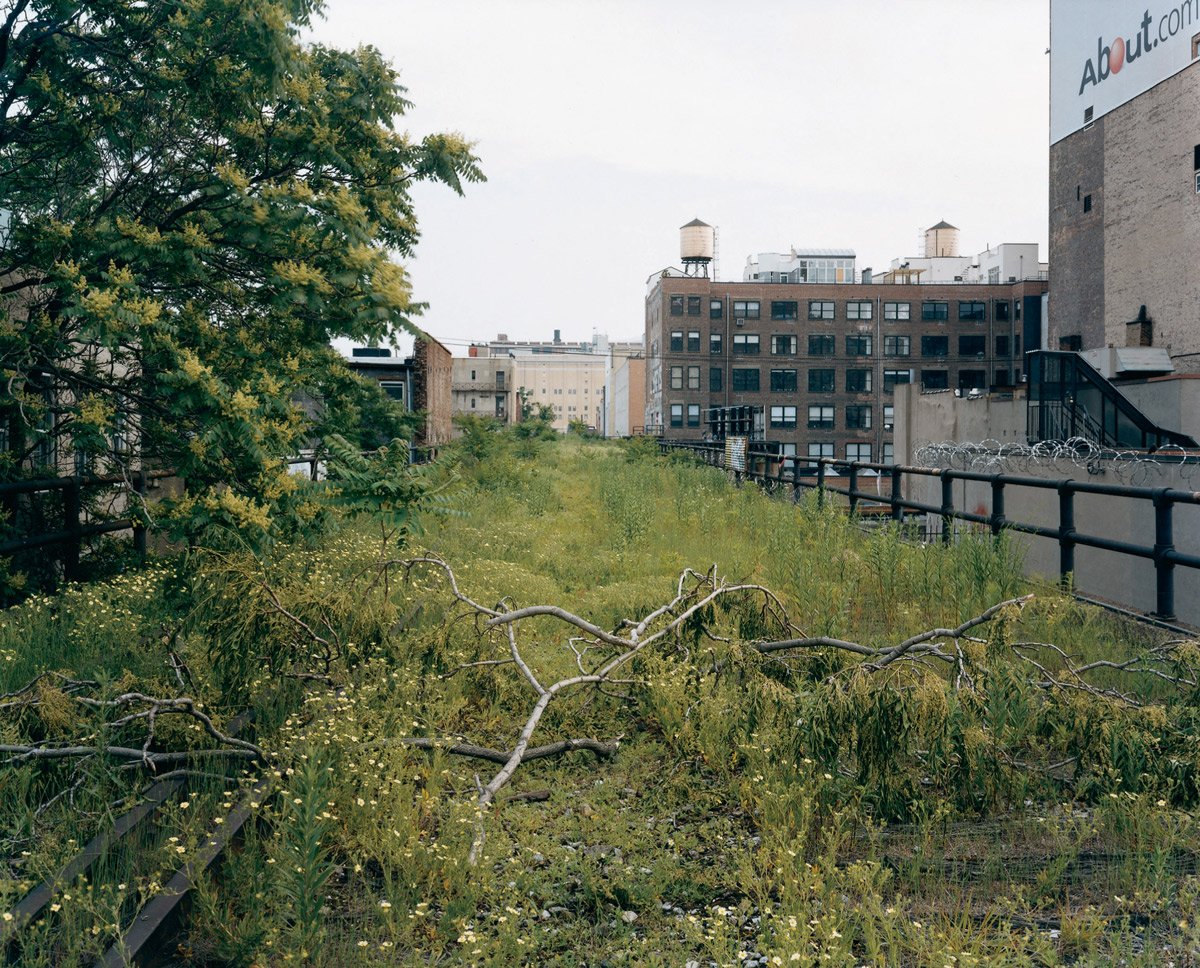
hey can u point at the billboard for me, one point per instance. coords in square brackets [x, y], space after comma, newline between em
[1106, 52]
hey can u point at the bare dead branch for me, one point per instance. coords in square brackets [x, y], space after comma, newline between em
[600, 748]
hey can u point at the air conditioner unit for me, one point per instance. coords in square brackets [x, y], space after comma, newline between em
[740, 322]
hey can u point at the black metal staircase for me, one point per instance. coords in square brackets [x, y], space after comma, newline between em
[1069, 398]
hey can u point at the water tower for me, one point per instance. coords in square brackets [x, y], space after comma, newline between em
[941, 240]
[696, 246]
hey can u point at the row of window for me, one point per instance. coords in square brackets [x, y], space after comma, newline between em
[969, 310]
[825, 344]
[782, 381]
[857, 417]
[823, 380]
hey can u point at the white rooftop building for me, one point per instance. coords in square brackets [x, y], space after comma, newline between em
[803, 265]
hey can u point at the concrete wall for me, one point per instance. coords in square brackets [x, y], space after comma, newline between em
[1124, 580]
[1172, 402]
[572, 385]
[935, 417]
[1127, 581]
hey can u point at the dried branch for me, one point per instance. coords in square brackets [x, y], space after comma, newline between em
[601, 749]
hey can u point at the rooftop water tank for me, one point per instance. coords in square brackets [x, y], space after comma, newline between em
[941, 240]
[696, 243]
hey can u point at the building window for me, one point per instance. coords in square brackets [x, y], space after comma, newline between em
[897, 345]
[823, 344]
[677, 341]
[897, 310]
[858, 345]
[972, 379]
[937, 312]
[746, 309]
[889, 417]
[858, 381]
[693, 378]
[677, 305]
[693, 415]
[1002, 310]
[784, 310]
[745, 344]
[714, 379]
[677, 415]
[783, 381]
[935, 345]
[859, 452]
[935, 379]
[714, 344]
[858, 417]
[1002, 378]
[787, 450]
[892, 377]
[394, 388]
[889, 454]
[1087, 203]
[972, 312]
[693, 305]
[820, 381]
[1072, 343]
[716, 308]
[820, 310]
[820, 418]
[858, 310]
[744, 380]
[972, 345]
[677, 378]
[817, 451]
[472, 403]
[783, 345]
[783, 418]
[693, 341]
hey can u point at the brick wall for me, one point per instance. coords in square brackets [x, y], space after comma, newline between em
[1152, 218]
[1140, 243]
[432, 390]
[1077, 238]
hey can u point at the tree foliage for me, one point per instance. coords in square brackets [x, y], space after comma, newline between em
[194, 205]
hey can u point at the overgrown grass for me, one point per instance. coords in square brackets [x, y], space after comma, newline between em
[789, 808]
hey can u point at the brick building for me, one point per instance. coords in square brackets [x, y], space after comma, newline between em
[821, 359]
[1125, 177]
[421, 382]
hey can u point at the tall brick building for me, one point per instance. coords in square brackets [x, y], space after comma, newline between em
[821, 359]
[1125, 176]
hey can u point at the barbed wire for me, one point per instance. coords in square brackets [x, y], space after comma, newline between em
[1170, 464]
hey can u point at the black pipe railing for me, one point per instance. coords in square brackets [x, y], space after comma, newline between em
[812, 474]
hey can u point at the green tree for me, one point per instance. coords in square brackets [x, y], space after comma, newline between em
[195, 204]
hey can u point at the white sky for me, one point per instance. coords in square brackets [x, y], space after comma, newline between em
[605, 125]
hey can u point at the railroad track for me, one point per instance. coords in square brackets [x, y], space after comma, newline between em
[148, 933]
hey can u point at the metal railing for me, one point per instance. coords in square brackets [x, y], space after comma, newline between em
[808, 474]
[77, 528]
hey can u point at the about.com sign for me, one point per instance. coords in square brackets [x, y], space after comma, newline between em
[1106, 52]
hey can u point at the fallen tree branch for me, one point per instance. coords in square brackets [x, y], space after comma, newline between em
[600, 748]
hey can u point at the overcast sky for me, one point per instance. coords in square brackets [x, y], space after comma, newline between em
[603, 126]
